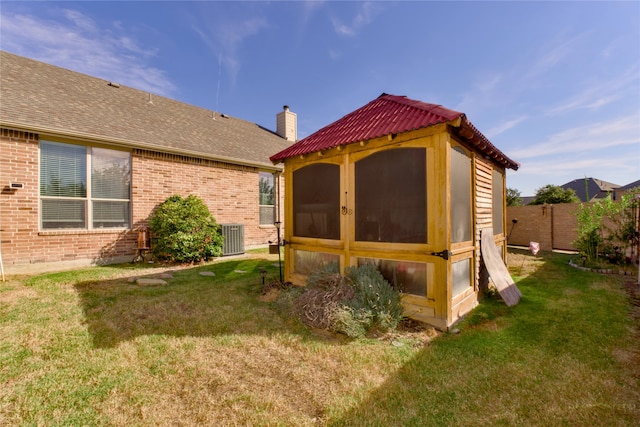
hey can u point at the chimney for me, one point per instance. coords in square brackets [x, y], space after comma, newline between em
[287, 124]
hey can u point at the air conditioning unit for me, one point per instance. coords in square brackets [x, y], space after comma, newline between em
[233, 235]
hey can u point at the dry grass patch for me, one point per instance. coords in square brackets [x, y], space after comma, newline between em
[92, 348]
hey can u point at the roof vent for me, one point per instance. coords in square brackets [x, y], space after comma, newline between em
[114, 84]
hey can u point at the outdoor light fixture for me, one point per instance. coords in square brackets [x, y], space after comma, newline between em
[276, 246]
[514, 221]
[263, 274]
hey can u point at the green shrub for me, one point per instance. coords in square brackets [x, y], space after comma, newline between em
[185, 231]
[609, 239]
[374, 297]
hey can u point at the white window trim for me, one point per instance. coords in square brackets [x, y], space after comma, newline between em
[88, 200]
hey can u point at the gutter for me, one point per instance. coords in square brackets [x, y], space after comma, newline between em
[467, 131]
[125, 143]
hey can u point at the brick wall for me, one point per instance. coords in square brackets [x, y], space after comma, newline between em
[534, 224]
[230, 192]
[553, 226]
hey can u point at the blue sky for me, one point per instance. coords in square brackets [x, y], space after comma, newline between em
[554, 85]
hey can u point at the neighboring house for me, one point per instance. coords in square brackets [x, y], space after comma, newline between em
[84, 163]
[590, 189]
[620, 191]
[526, 200]
[411, 187]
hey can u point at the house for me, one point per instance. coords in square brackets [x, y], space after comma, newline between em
[625, 189]
[411, 187]
[590, 189]
[85, 161]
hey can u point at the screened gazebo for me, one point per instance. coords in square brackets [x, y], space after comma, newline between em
[411, 187]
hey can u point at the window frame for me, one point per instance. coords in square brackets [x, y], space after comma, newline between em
[333, 227]
[87, 200]
[261, 174]
[356, 200]
[455, 215]
[498, 201]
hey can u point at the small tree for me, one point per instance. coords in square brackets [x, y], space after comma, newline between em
[185, 231]
[554, 194]
[589, 229]
[610, 237]
[513, 197]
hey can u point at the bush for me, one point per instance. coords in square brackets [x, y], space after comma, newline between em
[375, 300]
[185, 231]
[609, 239]
[354, 304]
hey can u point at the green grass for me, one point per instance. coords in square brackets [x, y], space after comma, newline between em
[89, 347]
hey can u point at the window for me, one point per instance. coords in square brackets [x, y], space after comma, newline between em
[405, 276]
[306, 262]
[267, 202]
[460, 212]
[391, 194]
[461, 276]
[498, 202]
[316, 201]
[71, 201]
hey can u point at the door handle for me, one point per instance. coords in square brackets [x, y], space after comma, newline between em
[445, 254]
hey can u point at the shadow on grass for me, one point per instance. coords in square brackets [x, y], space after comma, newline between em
[189, 304]
[547, 361]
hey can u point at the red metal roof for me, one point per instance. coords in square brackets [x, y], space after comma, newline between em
[387, 115]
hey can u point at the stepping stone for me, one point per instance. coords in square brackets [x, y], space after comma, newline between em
[132, 279]
[165, 276]
[151, 282]
[239, 271]
[207, 273]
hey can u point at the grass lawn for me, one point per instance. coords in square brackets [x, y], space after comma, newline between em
[92, 348]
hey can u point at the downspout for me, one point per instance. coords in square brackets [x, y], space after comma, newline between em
[1, 263]
[278, 195]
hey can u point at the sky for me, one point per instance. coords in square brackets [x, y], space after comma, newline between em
[554, 85]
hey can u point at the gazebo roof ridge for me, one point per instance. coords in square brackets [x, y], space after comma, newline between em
[388, 115]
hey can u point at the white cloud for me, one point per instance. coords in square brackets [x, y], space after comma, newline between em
[76, 42]
[225, 40]
[602, 93]
[554, 52]
[595, 136]
[483, 92]
[500, 87]
[363, 17]
[505, 126]
[557, 170]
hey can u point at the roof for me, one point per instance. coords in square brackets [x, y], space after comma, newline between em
[588, 189]
[49, 100]
[629, 186]
[388, 115]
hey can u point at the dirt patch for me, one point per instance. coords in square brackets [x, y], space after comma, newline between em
[522, 264]
[13, 296]
[411, 332]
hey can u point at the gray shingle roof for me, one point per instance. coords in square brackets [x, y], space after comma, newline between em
[588, 189]
[50, 100]
[631, 185]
